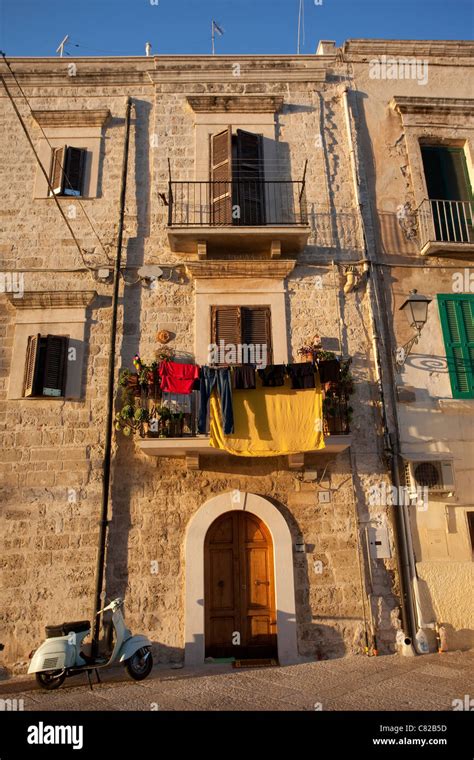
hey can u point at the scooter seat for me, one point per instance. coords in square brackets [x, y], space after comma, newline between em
[78, 626]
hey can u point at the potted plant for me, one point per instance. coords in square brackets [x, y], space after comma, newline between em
[309, 351]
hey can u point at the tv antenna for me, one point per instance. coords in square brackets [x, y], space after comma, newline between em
[300, 25]
[60, 48]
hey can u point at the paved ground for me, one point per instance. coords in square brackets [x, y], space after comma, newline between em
[429, 682]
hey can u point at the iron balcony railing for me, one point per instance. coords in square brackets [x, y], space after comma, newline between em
[446, 221]
[245, 202]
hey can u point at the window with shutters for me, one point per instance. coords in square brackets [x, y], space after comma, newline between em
[457, 322]
[237, 193]
[45, 366]
[67, 170]
[242, 333]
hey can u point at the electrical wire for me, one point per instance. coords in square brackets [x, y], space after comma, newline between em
[62, 167]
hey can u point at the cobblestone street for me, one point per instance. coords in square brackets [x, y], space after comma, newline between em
[429, 682]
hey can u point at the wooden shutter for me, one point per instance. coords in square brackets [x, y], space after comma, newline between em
[57, 170]
[249, 176]
[31, 365]
[74, 171]
[457, 321]
[256, 328]
[54, 376]
[221, 177]
[226, 325]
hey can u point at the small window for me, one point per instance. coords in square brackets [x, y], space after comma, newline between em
[67, 170]
[247, 327]
[45, 367]
[457, 322]
[470, 525]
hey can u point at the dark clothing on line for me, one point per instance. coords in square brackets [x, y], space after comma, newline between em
[219, 378]
[302, 375]
[273, 376]
[329, 371]
[244, 378]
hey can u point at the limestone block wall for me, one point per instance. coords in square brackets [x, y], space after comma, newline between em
[52, 449]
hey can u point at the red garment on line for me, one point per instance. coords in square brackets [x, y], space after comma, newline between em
[177, 378]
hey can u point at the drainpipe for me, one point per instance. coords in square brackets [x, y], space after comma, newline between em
[99, 576]
[400, 522]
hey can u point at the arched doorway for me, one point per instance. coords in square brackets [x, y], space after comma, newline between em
[198, 526]
[239, 588]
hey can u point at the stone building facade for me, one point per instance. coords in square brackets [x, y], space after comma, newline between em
[334, 570]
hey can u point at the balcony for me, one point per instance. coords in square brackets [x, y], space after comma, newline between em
[446, 228]
[179, 437]
[246, 216]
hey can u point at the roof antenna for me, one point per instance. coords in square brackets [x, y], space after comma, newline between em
[300, 25]
[147, 48]
[60, 48]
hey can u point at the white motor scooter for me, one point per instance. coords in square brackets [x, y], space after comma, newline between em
[61, 655]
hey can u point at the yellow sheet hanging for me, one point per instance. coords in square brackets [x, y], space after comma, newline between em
[270, 421]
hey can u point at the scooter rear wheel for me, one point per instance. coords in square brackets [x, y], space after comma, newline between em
[140, 664]
[50, 679]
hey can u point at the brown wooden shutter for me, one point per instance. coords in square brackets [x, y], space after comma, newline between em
[74, 171]
[54, 377]
[221, 177]
[256, 327]
[226, 324]
[31, 365]
[57, 169]
[249, 177]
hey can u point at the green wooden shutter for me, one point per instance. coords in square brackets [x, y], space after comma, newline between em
[54, 377]
[457, 322]
[74, 171]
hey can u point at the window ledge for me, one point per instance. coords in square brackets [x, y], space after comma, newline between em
[456, 405]
[72, 118]
[52, 299]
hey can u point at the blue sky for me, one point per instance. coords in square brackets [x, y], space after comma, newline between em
[121, 27]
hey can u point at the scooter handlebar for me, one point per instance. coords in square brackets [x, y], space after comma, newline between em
[115, 603]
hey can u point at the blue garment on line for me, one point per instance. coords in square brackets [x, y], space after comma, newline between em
[216, 377]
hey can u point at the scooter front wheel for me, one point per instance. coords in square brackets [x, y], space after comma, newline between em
[140, 664]
[50, 679]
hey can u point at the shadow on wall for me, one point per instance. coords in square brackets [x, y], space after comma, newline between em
[123, 483]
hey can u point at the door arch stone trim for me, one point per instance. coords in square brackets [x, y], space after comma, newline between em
[283, 572]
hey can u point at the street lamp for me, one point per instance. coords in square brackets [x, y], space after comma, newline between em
[416, 311]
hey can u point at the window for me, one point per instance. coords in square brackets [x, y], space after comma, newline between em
[242, 334]
[449, 189]
[237, 179]
[45, 367]
[457, 322]
[67, 170]
[470, 525]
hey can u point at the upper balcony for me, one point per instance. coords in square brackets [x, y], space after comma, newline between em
[446, 228]
[244, 216]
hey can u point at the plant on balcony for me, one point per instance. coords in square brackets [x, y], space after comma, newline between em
[337, 413]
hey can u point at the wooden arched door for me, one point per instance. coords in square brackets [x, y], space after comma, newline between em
[239, 588]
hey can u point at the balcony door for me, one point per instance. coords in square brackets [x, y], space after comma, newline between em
[237, 191]
[239, 601]
[449, 192]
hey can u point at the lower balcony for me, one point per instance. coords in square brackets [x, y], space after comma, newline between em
[446, 228]
[176, 435]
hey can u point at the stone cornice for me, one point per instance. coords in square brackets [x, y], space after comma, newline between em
[427, 48]
[255, 268]
[235, 103]
[52, 299]
[72, 118]
[433, 106]
[109, 71]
